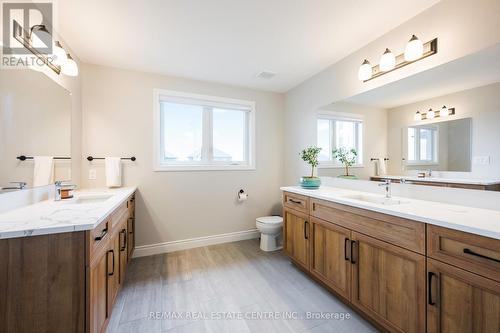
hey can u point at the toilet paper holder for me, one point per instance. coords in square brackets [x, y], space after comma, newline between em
[242, 196]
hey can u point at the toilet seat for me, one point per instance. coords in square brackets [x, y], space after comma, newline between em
[270, 219]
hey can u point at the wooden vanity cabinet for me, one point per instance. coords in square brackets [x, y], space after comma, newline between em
[97, 298]
[296, 239]
[131, 227]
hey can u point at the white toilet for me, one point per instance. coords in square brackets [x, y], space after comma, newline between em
[270, 228]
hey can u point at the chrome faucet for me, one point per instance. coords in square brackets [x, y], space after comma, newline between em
[387, 184]
[429, 172]
[20, 186]
[58, 187]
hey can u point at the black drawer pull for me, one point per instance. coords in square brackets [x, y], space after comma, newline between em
[352, 252]
[295, 201]
[472, 253]
[101, 236]
[429, 285]
[305, 230]
[345, 249]
[124, 246]
[113, 253]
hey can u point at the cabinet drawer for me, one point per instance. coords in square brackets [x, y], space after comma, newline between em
[119, 215]
[474, 253]
[394, 230]
[296, 201]
[99, 236]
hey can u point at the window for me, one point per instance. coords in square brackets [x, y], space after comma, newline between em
[422, 145]
[336, 132]
[195, 132]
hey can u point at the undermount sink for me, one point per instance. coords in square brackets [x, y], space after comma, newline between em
[376, 199]
[92, 198]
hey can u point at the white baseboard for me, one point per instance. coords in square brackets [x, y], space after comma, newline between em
[149, 250]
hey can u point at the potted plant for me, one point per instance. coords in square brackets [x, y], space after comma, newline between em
[310, 156]
[347, 157]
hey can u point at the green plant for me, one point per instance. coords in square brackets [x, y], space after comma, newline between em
[310, 156]
[346, 156]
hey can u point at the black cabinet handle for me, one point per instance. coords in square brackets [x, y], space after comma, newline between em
[472, 253]
[352, 252]
[305, 230]
[345, 249]
[429, 283]
[101, 236]
[295, 201]
[113, 253]
[124, 246]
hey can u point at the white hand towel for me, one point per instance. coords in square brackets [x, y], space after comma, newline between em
[382, 167]
[113, 167]
[43, 171]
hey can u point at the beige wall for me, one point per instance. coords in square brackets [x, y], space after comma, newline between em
[481, 104]
[35, 119]
[374, 137]
[445, 20]
[118, 121]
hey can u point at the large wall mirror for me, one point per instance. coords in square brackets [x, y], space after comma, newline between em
[440, 124]
[35, 130]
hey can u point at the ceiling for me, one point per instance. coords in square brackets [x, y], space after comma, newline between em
[475, 70]
[228, 41]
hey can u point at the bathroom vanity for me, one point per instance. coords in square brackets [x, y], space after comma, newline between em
[62, 263]
[406, 265]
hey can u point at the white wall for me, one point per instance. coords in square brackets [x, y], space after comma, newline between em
[481, 104]
[463, 27]
[118, 121]
[374, 138]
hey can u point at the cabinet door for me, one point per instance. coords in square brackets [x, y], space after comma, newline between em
[123, 251]
[388, 284]
[98, 293]
[330, 254]
[460, 301]
[130, 237]
[296, 240]
[113, 270]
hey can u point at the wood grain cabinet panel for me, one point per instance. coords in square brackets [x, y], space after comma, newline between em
[113, 271]
[123, 254]
[330, 255]
[98, 304]
[296, 201]
[460, 301]
[296, 236]
[388, 284]
[480, 255]
[42, 283]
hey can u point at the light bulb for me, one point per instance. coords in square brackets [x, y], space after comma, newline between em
[59, 54]
[444, 112]
[414, 49]
[70, 67]
[387, 61]
[418, 116]
[365, 71]
[431, 114]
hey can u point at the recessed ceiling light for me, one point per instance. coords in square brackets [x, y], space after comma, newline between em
[266, 75]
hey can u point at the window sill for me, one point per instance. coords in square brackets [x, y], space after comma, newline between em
[167, 168]
[330, 166]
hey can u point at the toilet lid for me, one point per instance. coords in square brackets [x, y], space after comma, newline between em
[270, 219]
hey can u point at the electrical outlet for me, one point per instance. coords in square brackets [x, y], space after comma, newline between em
[481, 160]
[92, 174]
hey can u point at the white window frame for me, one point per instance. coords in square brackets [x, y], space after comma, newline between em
[160, 95]
[435, 147]
[341, 116]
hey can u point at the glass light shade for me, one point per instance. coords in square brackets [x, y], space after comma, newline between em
[387, 61]
[70, 68]
[430, 114]
[418, 116]
[365, 71]
[444, 112]
[414, 49]
[59, 54]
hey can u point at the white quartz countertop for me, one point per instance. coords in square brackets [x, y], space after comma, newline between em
[50, 217]
[477, 221]
[444, 180]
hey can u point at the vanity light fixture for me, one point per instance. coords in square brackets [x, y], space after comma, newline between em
[387, 61]
[431, 114]
[415, 50]
[59, 61]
